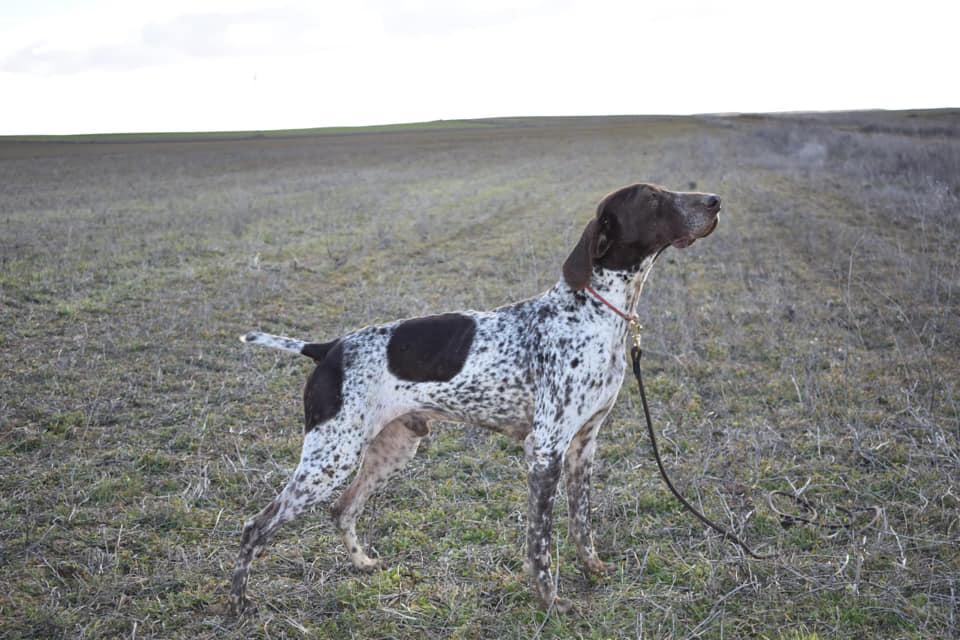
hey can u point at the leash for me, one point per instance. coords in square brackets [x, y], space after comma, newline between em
[635, 353]
[786, 519]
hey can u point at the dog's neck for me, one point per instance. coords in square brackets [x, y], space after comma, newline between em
[620, 288]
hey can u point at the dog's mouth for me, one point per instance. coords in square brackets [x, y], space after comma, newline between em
[686, 241]
[713, 227]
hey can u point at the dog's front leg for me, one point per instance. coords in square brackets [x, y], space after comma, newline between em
[578, 463]
[543, 475]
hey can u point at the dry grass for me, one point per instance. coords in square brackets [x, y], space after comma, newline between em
[812, 342]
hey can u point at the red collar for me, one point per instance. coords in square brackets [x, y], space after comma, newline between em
[629, 317]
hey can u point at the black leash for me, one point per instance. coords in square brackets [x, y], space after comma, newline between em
[787, 519]
[635, 353]
[810, 515]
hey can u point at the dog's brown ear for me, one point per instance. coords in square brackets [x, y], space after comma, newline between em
[579, 264]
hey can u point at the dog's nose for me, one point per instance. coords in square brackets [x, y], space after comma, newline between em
[713, 202]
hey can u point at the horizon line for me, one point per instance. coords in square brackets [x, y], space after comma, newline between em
[396, 127]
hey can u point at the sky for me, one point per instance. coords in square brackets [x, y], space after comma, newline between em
[99, 66]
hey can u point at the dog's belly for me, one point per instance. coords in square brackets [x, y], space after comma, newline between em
[504, 405]
[516, 430]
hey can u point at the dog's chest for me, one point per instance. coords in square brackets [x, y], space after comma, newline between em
[590, 361]
[574, 358]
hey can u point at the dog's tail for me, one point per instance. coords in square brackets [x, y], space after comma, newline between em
[315, 350]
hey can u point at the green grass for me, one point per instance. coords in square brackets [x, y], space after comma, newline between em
[813, 340]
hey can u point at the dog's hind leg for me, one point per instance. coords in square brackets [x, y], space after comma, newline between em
[393, 447]
[330, 453]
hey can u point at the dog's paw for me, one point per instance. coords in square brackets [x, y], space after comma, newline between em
[241, 605]
[366, 564]
[550, 601]
[564, 606]
[597, 568]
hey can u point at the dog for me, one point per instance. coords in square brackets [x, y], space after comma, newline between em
[545, 371]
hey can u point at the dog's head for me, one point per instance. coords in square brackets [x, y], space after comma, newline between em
[636, 222]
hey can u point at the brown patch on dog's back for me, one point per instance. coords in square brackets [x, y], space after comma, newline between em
[430, 349]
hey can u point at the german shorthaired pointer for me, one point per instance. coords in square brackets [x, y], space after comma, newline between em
[545, 371]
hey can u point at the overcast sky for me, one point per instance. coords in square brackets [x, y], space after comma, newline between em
[79, 66]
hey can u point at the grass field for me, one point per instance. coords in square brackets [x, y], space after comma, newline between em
[812, 342]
